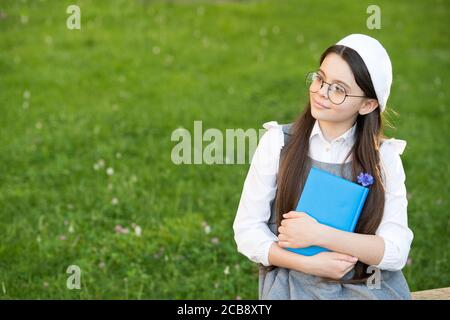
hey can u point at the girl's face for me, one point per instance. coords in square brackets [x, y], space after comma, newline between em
[334, 69]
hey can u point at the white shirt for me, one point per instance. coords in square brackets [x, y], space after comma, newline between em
[251, 232]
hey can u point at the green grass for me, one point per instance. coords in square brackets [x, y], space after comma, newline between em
[102, 93]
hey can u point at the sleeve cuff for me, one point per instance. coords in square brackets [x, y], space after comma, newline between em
[265, 253]
[392, 259]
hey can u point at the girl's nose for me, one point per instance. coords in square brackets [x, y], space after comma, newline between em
[323, 92]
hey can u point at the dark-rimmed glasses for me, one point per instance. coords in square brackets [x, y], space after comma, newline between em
[336, 93]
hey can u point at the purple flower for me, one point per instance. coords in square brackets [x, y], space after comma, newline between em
[365, 179]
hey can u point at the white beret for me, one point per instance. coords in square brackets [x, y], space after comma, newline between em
[377, 62]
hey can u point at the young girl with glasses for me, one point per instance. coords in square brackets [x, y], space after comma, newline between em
[341, 131]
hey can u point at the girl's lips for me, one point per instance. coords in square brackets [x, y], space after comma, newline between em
[318, 105]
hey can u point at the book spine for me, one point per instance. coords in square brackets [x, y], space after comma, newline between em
[359, 209]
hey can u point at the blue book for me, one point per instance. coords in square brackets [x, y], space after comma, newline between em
[331, 200]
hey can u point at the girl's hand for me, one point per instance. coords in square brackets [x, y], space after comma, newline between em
[298, 230]
[332, 265]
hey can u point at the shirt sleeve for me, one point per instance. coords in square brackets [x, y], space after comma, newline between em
[251, 231]
[394, 224]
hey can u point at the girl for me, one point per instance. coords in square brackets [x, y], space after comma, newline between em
[340, 131]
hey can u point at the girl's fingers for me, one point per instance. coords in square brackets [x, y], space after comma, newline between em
[346, 257]
[283, 244]
[289, 215]
[346, 267]
[345, 264]
[293, 214]
[349, 268]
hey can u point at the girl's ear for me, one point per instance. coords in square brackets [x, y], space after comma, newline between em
[368, 106]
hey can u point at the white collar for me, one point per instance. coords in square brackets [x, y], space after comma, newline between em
[348, 136]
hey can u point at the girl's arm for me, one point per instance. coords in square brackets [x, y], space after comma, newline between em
[285, 259]
[299, 230]
[331, 265]
[251, 230]
[368, 248]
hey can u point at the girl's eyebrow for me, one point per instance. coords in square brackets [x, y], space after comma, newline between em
[342, 82]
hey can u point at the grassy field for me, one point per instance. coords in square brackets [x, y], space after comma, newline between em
[86, 176]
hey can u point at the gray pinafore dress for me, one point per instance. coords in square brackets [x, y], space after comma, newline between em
[282, 283]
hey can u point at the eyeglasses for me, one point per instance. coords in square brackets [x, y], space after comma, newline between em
[336, 93]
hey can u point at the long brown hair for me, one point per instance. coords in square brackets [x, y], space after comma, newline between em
[368, 137]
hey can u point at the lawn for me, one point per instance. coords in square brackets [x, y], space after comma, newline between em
[86, 176]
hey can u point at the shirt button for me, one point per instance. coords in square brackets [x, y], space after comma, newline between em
[327, 149]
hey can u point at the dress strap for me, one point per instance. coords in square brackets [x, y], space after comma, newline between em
[286, 131]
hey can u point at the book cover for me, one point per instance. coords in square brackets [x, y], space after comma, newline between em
[331, 200]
